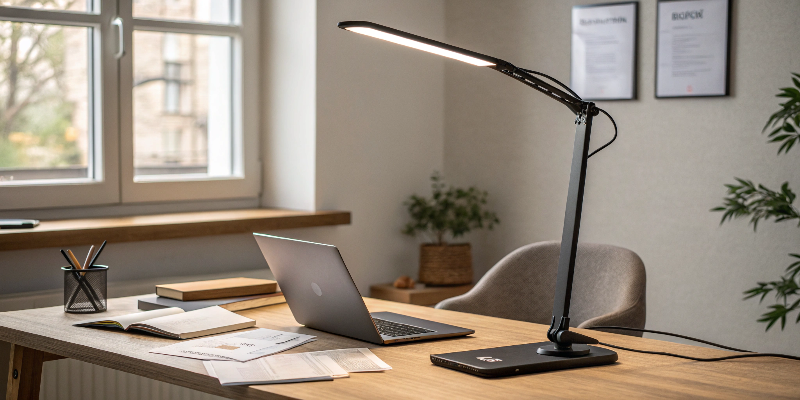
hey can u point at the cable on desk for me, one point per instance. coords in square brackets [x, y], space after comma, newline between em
[623, 328]
[661, 353]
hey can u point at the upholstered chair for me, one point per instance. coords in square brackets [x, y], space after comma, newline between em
[608, 287]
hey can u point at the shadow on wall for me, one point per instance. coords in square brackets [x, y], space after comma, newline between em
[500, 132]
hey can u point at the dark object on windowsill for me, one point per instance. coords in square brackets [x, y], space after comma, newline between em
[18, 223]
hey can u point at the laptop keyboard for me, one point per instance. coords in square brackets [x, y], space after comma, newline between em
[394, 329]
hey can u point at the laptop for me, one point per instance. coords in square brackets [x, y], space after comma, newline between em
[322, 295]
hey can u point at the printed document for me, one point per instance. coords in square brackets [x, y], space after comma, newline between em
[692, 48]
[298, 367]
[354, 360]
[281, 368]
[240, 346]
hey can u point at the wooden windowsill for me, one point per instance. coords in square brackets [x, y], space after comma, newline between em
[70, 232]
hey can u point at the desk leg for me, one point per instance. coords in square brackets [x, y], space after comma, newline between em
[25, 372]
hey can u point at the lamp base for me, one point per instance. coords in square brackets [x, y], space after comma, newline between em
[577, 350]
[518, 360]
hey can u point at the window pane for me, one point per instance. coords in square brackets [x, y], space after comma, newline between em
[71, 5]
[182, 104]
[211, 11]
[44, 101]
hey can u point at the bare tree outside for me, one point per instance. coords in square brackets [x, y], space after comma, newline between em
[36, 109]
[180, 98]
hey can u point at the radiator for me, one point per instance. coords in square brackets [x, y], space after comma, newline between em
[75, 380]
[72, 380]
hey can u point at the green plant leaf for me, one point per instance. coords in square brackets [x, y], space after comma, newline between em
[450, 211]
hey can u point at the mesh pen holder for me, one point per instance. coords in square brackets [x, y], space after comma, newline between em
[85, 290]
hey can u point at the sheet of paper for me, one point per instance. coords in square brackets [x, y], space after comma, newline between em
[603, 51]
[239, 346]
[128, 319]
[210, 369]
[196, 321]
[281, 368]
[354, 360]
[692, 48]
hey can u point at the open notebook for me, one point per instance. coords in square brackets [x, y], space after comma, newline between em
[175, 323]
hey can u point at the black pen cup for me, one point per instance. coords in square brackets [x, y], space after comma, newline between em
[85, 290]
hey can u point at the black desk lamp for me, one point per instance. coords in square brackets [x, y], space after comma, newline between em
[566, 349]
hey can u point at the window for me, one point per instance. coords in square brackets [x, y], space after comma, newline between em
[129, 101]
[44, 101]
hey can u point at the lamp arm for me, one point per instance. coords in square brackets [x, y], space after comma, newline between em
[575, 105]
[559, 327]
[569, 237]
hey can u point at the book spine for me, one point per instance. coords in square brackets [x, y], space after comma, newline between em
[228, 292]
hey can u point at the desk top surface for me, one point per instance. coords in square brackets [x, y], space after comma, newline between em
[635, 375]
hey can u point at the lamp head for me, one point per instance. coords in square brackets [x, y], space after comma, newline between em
[420, 43]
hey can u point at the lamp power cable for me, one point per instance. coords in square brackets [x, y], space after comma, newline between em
[661, 353]
[565, 87]
[749, 353]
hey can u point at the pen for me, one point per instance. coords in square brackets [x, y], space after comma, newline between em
[102, 246]
[64, 253]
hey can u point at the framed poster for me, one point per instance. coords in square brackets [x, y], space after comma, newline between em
[693, 48]
[603, 62]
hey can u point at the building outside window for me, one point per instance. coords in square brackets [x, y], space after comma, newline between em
[125, 116]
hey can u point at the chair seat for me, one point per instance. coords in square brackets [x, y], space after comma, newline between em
[608, 287]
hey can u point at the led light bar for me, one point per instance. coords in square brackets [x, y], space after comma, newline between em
[418, 42]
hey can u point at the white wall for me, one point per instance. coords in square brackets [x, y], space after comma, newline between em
[375, 137]
[288, 97]
[387, 116]
[379, 127]
[651, 191]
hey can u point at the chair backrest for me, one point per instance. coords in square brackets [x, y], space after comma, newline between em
[521, 286]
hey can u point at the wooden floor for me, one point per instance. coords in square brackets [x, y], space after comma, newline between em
[413, 376]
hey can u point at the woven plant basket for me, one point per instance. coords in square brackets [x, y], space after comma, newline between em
[445, 265]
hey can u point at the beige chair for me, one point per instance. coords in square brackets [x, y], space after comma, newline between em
[608, 287]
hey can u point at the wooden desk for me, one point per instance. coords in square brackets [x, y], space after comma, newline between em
[44, 334]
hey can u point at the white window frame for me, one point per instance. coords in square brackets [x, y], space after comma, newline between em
[246, 179]
[103, 187]
[112, 97]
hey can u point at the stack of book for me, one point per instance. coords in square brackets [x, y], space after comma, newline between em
[232, 294]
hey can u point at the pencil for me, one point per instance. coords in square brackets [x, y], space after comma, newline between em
[74, 259]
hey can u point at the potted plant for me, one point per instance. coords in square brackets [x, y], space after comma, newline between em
[747, 199]
[450, 212]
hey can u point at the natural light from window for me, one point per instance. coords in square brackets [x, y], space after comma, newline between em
[206, 11]
[70, 5]
[182, 104]
[44, 102]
